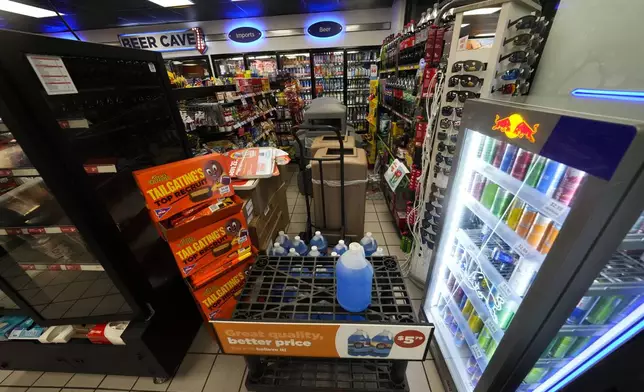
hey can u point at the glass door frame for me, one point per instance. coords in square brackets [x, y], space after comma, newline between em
[224, 56]
[49, 151]
[313, 52]
[576, 237]
[273, 53]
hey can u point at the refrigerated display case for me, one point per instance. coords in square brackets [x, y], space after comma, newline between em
[77, 245]
[358, 75]
[263, 65]
[328, 70]
[298, 65]
[228, 67]
[191, 71]
[532, 195]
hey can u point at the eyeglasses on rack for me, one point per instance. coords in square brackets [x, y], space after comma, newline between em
[448, 110]
[515, 73]
[469, 66]
[513, 88]
[440, 158]
[443, 136]
[445, 123]
[520, 56]
[525, 39]
[535, 24]
[465, 81]
[462, 95]
[445, 170]
[442, 147]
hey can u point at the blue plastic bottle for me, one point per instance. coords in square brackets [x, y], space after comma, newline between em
[369, 244]
[381, 344]
[354, 275]
[300, 246]
[319, 241]
[314, 251]
[340, 248]
[278, 250]
[359, 344]
[283, 240]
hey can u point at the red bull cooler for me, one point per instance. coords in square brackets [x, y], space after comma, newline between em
[521, 164]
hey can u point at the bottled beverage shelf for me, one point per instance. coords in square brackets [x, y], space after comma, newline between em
[487, 268]
[478, 304]
[249, 95]
[388, 70]
[544, 204]
[509, 236]
[401, 116]
[583, 330]
[458, 356]
[408, 67]
[358, 89]
[633, 242]
[622, 275]
[470, 339]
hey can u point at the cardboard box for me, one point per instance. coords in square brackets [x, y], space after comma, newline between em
[218, 297]
[264, 226]
[219, 242]
[174, 187]
[211, 271]
[262, 194]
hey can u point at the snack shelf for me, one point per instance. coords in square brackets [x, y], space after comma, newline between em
[62, 267]
[258, 138]
[470, 339]
[544, 204]
[249, 95]
[31, 172]
[509, 236]
[488, 269]
[477, 303]
[66, 229]
[359, 89]
[408, 67]
[251, 119]
[402, 116]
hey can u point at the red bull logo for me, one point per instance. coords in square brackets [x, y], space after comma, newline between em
[514, 126]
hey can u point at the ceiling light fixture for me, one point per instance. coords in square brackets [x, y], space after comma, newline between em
[24, 9]
[465, 24]
[482, 11]
[172, 3]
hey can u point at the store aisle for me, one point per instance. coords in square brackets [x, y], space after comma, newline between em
[204, 369]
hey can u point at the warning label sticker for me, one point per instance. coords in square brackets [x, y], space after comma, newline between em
[52, 74]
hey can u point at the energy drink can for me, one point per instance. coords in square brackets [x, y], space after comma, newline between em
[486, 232]
[516, 209]
[580, 345]
[470, 183]
[525, 223]
[453, 327]
[472, 365]
[489, 149]
[579, 312]
[477, 186]
[508, 157]
[467, 309]
[476, 376]
[501, 202]
[535, 170]
[498, 153]
[603, 309]
[504, 317]
[638, 227]
[549, 239]
[562, 346]
[535, 375]
[459, 338]
[475, 323]
[521, 164]
[491, 348]
[489, 193]
[461, 305]
[450, 282]
[485, 337]
[625, 308]
[479, 151]
[538, 230]
[458, 294]
[552, 173]
[499, 255]
[568, 185]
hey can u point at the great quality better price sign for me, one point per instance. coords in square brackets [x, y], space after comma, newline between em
[407, 342]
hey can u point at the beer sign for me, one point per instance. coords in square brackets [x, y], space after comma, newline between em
[166, 41]
[325, 29]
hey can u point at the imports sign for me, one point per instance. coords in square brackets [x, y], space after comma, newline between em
[324, 340]
[166, 41]
[245, 34]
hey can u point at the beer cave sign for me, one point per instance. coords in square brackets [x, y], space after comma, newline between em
[166, 41]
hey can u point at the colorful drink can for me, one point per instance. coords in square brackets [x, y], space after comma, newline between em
[580, 345]
[476, 376]
[568, 185]
[498, 153]
[521, 164]
[525, 223]
[477, 186]
[450, 282]
[552, 173]
[470, 183]
[538, 230]
[581, 309]
[535, 375]
[501, 202]
[475, 323]
[508, 157]
[459, 338]
[603, 309]
[550, 238]
[458, 294]
[486, 232]
[535, 170]
[516, 209]
[479, 151]
[500, 255]
[464, 300]
[489, 193]
[562, 346]
[453, 327]
[488, 149]
[467, 309]
[491, 348]
[472, 365]
[504, 317]
[448, 317]
[485, 337]
[625, 308]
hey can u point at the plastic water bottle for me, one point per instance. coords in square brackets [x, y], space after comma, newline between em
[293, 253]
[314, 252]
[381, 344]
[283, 240]
[278, 250]
[354, 275]
[369, 244]
[300, 246]
[379, 252]
[340, 248]
[319, 241]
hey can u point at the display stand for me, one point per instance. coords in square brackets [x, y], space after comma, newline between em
[295, 296]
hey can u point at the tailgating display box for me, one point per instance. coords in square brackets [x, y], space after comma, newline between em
[219, 242]
[175, 187]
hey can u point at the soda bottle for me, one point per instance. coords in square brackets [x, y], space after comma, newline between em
[354, 276]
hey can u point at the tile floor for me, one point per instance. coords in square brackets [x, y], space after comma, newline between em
[204, 369]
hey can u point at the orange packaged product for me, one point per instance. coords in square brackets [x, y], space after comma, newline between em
[211, 271]
[175, 187]
[219, 242]
[217, 297]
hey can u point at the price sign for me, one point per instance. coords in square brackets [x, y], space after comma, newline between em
[491, 326]
[68, 229]
[36, 230]
[505, 290]
[476, 351]
[409, 338]
[554, 209]
[54, 267]
[13, 231]
[522, 248]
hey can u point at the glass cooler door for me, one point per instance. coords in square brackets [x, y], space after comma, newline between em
[358, 75]
[298, 65]
[263, 66]
[43, 258]
[329, 74]
[228, 68]
[507, 206]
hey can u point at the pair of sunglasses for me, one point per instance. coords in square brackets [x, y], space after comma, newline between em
[442, 147]
[445, 123]
[443, 136]
[520, 56]
[462, 95]
[465, 80]
[440, 159]
[525, 39]
[448, 110]
[445, 170]
[535, 24]
[469, 66]
[513, 89]
[515, 73]
[437, 189]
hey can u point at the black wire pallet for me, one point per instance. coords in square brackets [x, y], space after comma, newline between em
[302, 289]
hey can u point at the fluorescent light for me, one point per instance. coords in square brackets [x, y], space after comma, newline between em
[489, 35]
[482, 11]
[465, 24]
[172, 3]
[27, 10]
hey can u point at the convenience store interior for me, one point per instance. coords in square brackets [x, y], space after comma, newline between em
[496, 145]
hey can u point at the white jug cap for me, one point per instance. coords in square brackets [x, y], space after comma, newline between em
[333, 254]
[297, 237]
[281, 232]
[314, 247]
[341, 242]
[276, 244]
[292, 250]
[318, 233]
[369, 234]
[355, 246]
